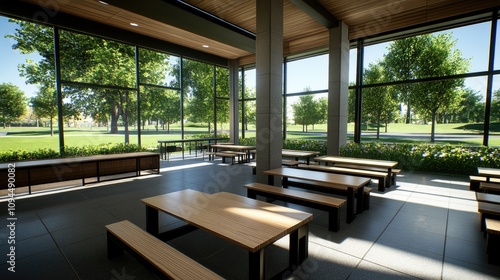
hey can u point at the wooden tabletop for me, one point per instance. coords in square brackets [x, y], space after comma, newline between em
[249, 224]
[233, 147]
[298, 153]
[489, 172]
[359, 161]
[354, 182]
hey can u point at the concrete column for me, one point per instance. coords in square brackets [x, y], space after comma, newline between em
[269, 59]
[233, 101]
[338, 82]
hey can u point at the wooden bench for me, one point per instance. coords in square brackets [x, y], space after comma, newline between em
[381, 176]
[394, 172]
[161, 258]
[318, 201]
[490, 187]
[36, 172]
[338, 189]
[488, 211]
[225, 155]
[285, 162]
[493, 242]
[475, 181]
[488, 197]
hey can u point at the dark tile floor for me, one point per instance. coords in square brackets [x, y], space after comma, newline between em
[425, 228]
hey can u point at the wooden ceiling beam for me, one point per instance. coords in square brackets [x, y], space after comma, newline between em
[167, 12]
[316, 11]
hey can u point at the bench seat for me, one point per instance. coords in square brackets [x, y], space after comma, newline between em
[474, 181]
[381, 176]
[164, 260]
[302, 183]
[225, 155]
[490, 187]
[488, 211]
[488, 197]
[313, 200]
[394, 171]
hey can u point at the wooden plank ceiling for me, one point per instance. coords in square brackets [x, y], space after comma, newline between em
[302, 33]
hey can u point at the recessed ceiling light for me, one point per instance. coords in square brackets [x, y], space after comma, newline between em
[134, 24]
[205, 46]
[104, 3]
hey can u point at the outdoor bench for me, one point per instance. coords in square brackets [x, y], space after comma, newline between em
[474, 181]
[490, 187]
[313, 200]
[394, 171]
[35, 172]
[339, 190]
[164, 260]
[381, 176]
[488, 197]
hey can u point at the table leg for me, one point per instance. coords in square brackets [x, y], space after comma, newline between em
[256, 264]
[299, 246]
[270, 180]
[152, 221]
[359, 200]
[350, 205]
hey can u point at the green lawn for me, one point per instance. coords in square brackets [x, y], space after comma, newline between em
[32, 138]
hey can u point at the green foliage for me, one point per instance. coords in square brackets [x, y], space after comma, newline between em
[428, 157]
[103, 149]
[12, 103]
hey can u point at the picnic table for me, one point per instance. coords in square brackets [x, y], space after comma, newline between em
[354, 185]
[299, 154]
[248, 223]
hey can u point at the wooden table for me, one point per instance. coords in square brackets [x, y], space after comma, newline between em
[241, 148]
[383, 164]
[299, 154]
[353, 184]
[248, 223]
[488, 172]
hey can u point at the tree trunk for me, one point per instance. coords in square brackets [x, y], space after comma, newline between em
[378, 127]
[51, 127]
[408, 114]
[114, 120]
[433, 127]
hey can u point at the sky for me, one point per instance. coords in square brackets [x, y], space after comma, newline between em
[473, 41]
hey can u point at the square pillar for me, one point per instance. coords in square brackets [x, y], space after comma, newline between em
[338, 83]
[269, 63]
[234, 131]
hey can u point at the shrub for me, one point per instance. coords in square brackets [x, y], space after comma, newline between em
[20, 155]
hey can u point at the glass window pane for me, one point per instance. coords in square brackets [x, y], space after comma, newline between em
[309, 73]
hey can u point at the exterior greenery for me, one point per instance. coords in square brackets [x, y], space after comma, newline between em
[91, 150]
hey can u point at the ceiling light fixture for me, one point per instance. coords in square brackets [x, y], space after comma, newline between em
[205, 46]
[102, 2]
[134, 24]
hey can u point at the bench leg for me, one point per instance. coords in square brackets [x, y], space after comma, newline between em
[251, 194]
[299, 246]
[382, 184]
[114, 248]
[366, 201]
[350, 206]
[474, 186]
[493, 244]
[334, 219]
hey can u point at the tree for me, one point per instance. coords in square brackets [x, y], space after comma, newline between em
[379, 104]
[107, 66]
[401, 63]
[45, 105]
[12, 103]
[438, 59]
[304, 111]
